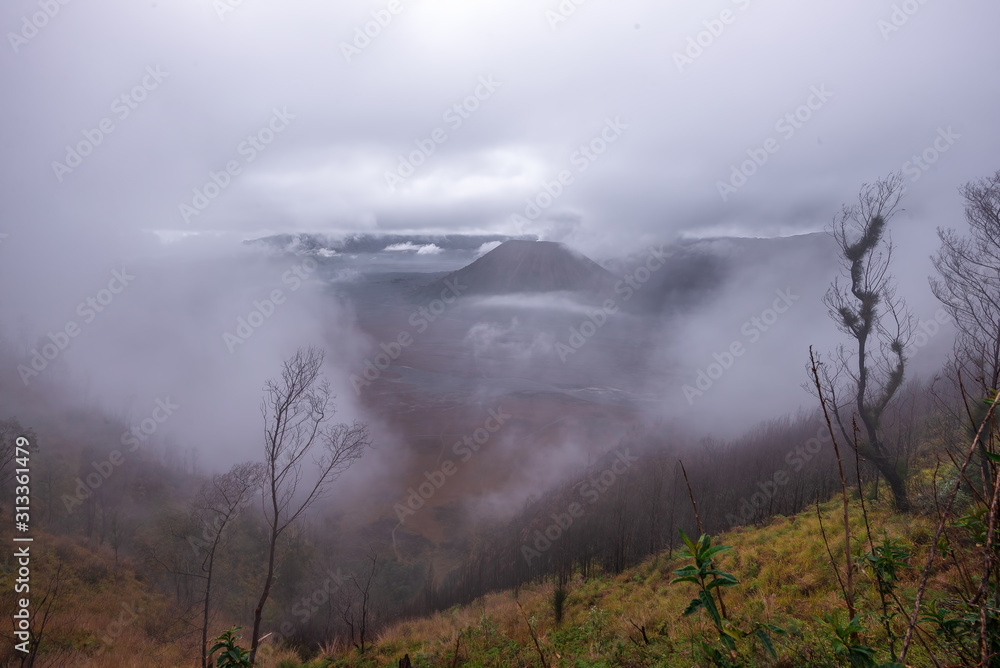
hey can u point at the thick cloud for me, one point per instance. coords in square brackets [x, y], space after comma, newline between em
[531, 89]
[125, 125]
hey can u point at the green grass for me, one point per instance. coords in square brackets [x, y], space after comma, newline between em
[783, 569]
[784, 577]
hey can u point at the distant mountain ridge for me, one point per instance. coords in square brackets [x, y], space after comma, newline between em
[530, 266]
[376, 243]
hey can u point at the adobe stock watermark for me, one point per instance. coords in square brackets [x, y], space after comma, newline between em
[454, 116]
[786, 126]
[121, 108]
[704, 39]
[927, 330]
[582, 158]
[796, 459]
[248, 149]
[920, 163]
[263, 309]
[103, 469]
[562, 13]
[752, 329]
[211, 530]
[364, 35]
[465, 449]
[900, 16]
[129, 615]
[224, 7]
[590, 491]
[801, 455]
[33, 23]
[420, 320]
[140, 433]
[59, 341]
[597, 318]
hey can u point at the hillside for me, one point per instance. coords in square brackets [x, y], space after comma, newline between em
[101, 611]
[96, 610]
[426, 334]
[105, 613]
[785, 579]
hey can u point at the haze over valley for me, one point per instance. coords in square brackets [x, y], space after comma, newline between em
[499, 334]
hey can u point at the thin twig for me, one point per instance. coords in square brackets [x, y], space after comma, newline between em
[640, 629]
[937, 536]
[983, 593]
[701, 531]
[833, 562]
[937, 508]
[972, 488]
[930, 655]
[965, 399]
[531, 631]
[849, 592]
[694, 503]
[454, 663]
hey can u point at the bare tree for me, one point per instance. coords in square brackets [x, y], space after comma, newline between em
[298, 410]
[120, 528]
[356, 609]
[41, 618]
[969, 288]
[866, 377]
[219, 503]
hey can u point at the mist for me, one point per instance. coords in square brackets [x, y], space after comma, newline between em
[526, 237]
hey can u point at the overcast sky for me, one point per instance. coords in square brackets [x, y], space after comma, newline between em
[126, 126]
[684, 118]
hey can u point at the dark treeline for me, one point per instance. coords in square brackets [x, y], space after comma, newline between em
[631, 504]
[626, 507]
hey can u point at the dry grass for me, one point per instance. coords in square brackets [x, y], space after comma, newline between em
[103, 616]
[785, 579]
[108, 618]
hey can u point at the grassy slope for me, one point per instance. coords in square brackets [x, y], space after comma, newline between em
[102, 616]
[785, 579]
[107, 616]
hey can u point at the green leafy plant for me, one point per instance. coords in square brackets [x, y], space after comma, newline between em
[948, 625]
[974, 522]
[595, 628]
[886, 560]
[491, 640]
[703, 574]
[233, 656]
[845, 643]
[961, 630]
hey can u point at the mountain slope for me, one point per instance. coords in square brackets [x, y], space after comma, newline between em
[784, 578]
[530, 266]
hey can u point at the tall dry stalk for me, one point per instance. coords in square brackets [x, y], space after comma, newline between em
[701, 530]
[849, 587]
[937, 537]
